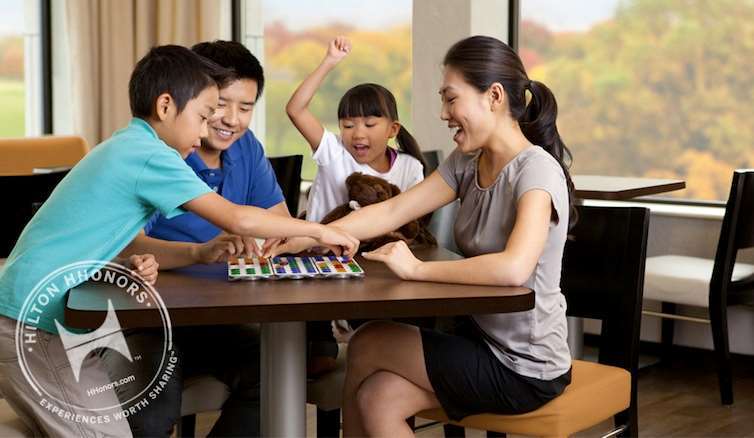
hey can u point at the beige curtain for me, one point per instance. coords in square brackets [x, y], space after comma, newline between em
[107, 37]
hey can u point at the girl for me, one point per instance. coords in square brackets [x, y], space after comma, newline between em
[516, 208]
[368, 118]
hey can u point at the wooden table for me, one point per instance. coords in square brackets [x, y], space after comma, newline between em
[202, 295]
[618, 188]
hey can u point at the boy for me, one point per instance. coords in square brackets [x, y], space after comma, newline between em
[232, 162]
[121, 184]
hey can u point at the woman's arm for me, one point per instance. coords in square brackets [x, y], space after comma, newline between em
[377, 219]
[511, 267]
[298, 107]
[246, 220]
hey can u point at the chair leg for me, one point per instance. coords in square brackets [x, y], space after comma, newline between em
[667, 332]
[328, 423]
[629, 418]
[719, 322]
[187, 427]
[454, 431]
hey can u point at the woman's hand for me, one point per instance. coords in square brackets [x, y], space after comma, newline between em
[338, 49]
[398, 257]
[146, 266]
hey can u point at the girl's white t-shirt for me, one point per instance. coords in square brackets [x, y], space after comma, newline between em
[335, 164]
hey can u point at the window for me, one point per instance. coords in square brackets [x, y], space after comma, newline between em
[12, 84]
[654, 88]
[296, 34]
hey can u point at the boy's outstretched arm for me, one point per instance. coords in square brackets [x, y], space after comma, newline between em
[298, 106]
[257, 222]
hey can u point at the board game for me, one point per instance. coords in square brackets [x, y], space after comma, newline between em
[293, 267]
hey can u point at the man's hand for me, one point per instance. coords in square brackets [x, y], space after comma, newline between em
[224, 246]
[294, 245]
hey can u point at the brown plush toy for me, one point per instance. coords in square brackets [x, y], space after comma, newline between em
[365, 190]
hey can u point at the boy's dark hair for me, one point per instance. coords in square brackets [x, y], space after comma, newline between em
[374, 100]
[171, 69]
[235, 56]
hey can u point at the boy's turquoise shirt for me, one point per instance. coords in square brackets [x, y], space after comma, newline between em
[96, 211]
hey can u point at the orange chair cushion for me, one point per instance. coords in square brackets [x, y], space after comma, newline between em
[22, 155]
[596, 393]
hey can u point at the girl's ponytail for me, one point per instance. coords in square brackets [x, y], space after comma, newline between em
[407, 143]
[538, 125]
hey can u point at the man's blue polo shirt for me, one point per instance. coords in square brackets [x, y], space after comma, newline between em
[246, 178]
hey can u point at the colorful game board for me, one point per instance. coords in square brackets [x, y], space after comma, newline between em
[293, 267]
[249, 268]
[334, 266]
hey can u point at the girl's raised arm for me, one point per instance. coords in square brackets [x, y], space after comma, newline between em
[298, 106]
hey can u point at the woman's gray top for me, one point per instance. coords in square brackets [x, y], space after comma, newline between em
[531, 343]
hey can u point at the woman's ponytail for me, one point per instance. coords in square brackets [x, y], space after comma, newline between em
[539, 127]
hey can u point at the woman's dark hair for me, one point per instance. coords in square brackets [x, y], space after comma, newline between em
[484, 61]
[235, 56]
[372, 100]
[175, 70]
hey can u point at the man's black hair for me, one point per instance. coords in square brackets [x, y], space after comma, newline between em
[235, 56]
[175, 70]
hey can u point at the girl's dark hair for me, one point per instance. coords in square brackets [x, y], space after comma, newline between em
[484, 61]
[372, 100]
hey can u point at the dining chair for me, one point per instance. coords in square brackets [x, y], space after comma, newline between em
[30, 155]
[288, 174]
[30, 169]
[713, 284]
[23, 194]
[602, 278]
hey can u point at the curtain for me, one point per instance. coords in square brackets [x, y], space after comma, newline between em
[108, 37]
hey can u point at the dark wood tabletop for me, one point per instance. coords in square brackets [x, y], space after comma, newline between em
[201, 295]
[617, 188]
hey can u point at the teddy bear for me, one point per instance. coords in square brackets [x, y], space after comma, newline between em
[365, 190]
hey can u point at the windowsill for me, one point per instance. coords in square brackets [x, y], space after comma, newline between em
[657, 208]
[670, 210]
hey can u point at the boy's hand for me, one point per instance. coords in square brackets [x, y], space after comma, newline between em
[338, 241]
[146, 266]
[224, 246]
[398, 257]
[293, 245]
[338, 49]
